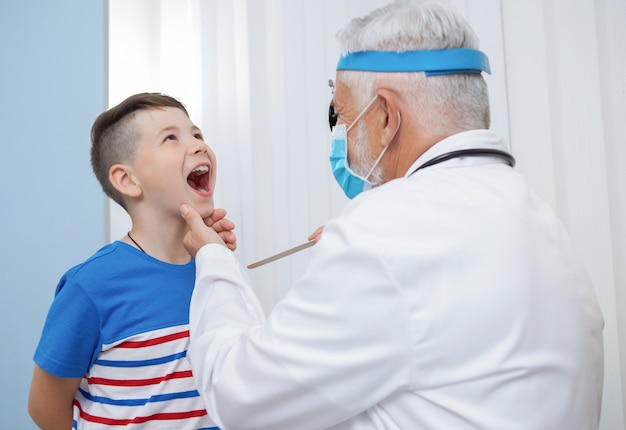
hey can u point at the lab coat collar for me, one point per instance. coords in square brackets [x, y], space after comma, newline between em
[464, 140]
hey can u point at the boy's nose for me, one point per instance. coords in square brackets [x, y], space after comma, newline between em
[199, 148]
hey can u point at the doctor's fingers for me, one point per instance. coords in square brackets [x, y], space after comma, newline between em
[222, 225]
[216, 215]
[317, 234]
[230, 240]
[199, 234]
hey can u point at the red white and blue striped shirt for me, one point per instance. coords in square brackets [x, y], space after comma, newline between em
[120, 321]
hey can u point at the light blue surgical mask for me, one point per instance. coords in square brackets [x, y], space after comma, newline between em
[351, 183]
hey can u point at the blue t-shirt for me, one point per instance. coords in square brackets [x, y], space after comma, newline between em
[120, 321]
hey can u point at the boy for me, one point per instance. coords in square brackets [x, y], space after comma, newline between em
[113, 348]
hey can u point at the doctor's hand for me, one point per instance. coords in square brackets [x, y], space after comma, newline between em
[317, 234]
[215, 228]
[223, 226]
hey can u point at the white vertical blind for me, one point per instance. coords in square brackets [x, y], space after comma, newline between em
[611, 43]
[254, 75]
[564, 60]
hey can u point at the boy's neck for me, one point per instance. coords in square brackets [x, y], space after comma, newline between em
[163, 242]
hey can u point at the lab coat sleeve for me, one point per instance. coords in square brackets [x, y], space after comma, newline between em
[338, 343]
[222, 309]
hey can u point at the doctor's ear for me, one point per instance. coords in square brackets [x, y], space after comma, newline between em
[391, 116]
[123, 180]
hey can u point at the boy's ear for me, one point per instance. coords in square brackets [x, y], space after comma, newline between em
[122, 179]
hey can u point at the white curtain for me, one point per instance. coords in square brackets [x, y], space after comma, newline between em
[254, 75]
[566, 73]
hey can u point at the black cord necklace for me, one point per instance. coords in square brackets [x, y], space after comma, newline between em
[135, 242]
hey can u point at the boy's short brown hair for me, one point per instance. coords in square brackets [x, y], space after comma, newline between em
[114, 137]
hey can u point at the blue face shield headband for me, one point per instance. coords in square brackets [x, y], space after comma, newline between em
[431, 62]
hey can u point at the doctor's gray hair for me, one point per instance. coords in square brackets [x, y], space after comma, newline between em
[442, 103]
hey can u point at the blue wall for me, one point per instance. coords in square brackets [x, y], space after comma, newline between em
[52, 86]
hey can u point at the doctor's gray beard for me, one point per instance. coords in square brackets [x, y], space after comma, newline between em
[363, 159]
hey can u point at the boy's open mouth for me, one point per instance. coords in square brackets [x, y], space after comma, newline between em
[199, 179]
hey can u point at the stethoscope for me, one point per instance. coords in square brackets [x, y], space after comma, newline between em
[476, 152]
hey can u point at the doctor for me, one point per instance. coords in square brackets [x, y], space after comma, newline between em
[448, 296]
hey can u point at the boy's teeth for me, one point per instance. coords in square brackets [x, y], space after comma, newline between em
[201, 169]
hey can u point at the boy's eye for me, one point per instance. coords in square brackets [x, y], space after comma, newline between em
[171, 137]
[199, 136]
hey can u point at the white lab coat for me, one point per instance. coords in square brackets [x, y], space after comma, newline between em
[448, 299]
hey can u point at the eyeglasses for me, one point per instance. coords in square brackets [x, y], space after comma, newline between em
[332, 115]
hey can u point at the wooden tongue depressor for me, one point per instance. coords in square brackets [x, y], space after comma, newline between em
[282, 254]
